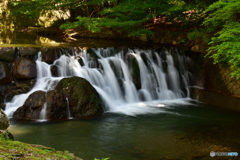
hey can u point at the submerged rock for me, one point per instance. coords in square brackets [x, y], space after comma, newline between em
[84, 101]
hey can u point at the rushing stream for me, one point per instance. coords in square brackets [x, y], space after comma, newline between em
[149, 114]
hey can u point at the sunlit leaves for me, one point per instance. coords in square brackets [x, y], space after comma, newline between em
[223, 17]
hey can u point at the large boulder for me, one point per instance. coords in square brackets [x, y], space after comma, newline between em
[84, 101]
[7, 54]
[73, 97]
[56, 105]
[32, 107]
[5, 74]
[24, 69]
[4, 121]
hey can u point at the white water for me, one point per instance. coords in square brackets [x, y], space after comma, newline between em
[68, 109]
[158, 87]
[43, 112]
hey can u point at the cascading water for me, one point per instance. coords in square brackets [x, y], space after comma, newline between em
[43, 112]
[129, 81]
[68, 109]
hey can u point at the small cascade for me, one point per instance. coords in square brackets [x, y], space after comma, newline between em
[68, 110]
[128, 80]
[43, 113]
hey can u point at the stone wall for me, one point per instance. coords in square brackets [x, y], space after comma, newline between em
[216, 77]
[217, 87]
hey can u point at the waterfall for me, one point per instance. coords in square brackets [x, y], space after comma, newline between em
[43, 112]
[68, 109]
[130, 82]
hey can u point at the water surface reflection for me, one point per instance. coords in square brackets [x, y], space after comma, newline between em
[192, 132]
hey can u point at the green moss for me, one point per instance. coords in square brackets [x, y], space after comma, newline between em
[17, 150]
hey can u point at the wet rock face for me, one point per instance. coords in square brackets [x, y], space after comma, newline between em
[7, 92]
[54, 70]
[56, 105]
[73, 97]
[4, 121]
[84, 101]
[49, 55]
[24, 69]
[5, 74]
[32, 107]
[135, 71]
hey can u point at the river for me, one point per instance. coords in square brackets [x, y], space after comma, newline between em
[162, 122]
[186, 131]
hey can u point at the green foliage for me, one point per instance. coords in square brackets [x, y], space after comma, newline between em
[121, 16]
[127, 16]
[17, 150]
[198, 34]
[223, 18]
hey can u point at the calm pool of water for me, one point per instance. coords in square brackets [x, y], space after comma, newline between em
[181, 132]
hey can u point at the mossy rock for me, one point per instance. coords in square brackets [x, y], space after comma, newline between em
[4, 121]
[84, 101]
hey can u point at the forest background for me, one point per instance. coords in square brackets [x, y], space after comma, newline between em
[217, 22]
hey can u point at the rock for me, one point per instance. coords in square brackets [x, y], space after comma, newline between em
[7, 54]
[7, 92]
[56, 105]
[32, 107]
[49, 55]
[5, 74]
[135, 71]
[73, 97]
[2, 106]
[24, 69]
[4, 121]
[84, 101]
[6, 135]
[54, 70]
[28, 52]
[81, 62]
